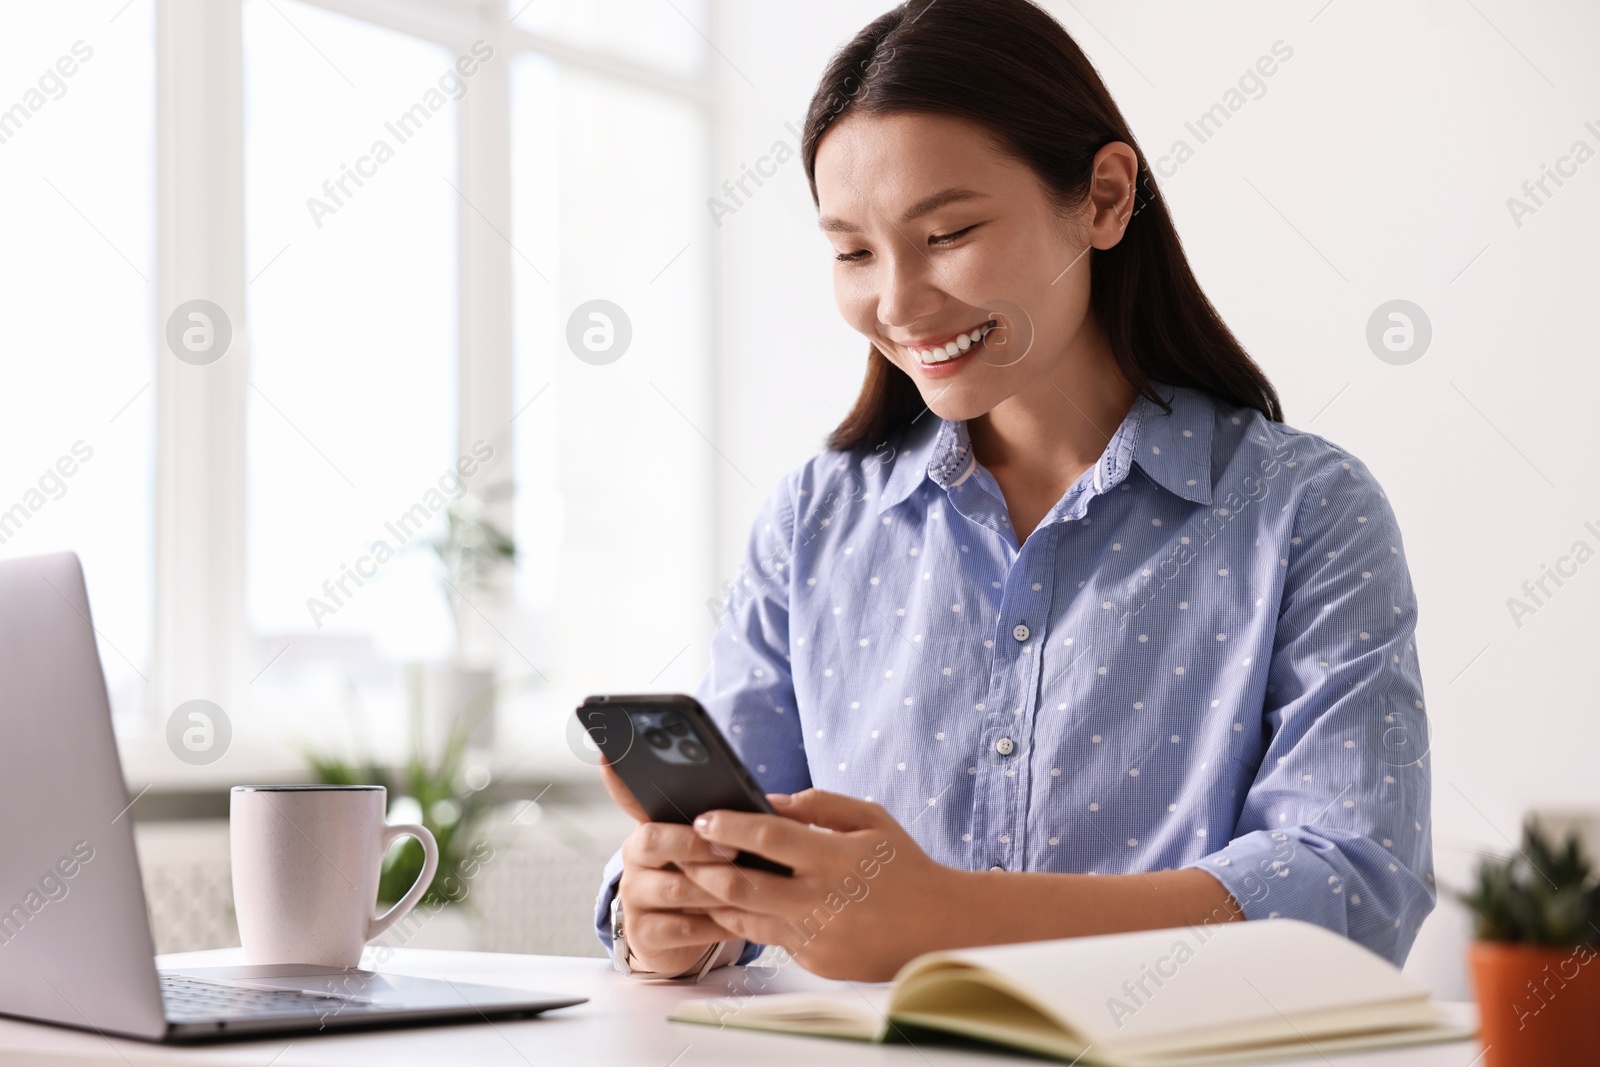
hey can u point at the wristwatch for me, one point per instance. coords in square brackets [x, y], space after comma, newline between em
[620, 959]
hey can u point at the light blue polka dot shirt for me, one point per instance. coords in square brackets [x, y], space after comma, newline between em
[1203, 656]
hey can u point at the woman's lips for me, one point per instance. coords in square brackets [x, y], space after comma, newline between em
[931, 362]
[953, 365]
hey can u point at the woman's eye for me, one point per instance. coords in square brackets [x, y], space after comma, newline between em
[947, 238]
[849, 257]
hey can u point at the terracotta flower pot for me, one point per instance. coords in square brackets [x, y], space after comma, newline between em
[1537, 1006]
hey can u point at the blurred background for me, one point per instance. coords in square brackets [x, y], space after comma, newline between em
[404, 370]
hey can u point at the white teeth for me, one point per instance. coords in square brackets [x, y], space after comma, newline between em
[952, 348]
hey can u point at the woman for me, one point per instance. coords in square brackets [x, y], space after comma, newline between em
[1067, 633]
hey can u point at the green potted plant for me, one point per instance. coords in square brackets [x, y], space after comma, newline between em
[1536, 919]
[473, 551]
[451, 796]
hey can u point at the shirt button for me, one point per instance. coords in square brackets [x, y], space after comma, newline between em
[1020, 631]
[1005, 746]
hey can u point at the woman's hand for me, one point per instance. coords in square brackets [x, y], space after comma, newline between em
[663, 911]
[863, 900]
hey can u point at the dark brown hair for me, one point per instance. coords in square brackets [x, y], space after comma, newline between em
[1042, 100]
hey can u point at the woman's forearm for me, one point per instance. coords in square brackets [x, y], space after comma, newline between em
[999, 907]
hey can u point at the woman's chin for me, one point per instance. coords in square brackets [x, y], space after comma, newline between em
[957, 401]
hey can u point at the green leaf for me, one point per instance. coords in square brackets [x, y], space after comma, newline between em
[1545, 893]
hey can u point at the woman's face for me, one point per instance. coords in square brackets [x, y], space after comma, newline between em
[939, 236]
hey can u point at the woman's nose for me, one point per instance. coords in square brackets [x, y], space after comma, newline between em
[906, 294]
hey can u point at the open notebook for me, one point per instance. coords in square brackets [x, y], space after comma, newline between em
[1228, 993]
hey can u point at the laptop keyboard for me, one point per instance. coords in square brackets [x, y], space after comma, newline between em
[193, 999]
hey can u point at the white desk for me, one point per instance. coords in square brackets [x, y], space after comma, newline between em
[624, 1024]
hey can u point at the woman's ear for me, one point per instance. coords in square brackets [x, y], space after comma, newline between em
[1111, 192]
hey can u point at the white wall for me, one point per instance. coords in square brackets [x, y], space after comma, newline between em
[1377, 165]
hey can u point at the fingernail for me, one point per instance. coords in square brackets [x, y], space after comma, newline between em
[779, 799]
[702, 824]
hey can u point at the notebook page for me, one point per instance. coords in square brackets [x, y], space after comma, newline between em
[1153, 987]
[858, 1013]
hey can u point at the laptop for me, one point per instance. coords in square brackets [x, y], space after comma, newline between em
[75, 941]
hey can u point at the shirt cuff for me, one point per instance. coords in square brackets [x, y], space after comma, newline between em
[1274, 874]
[602, 904]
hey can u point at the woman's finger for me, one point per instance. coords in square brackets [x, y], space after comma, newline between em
[759, 928]
[657, 844]
[752, 890]
[620, 793]
[644, 888]
[836, 811]
[775, 837]
[657, 931]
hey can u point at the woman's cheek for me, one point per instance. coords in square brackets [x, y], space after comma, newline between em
[976, 274]
[853, 297]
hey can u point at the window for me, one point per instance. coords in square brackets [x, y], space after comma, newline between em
[77, 269]
[609, 207]
[653, 34]
[390, 310]
[350, 175]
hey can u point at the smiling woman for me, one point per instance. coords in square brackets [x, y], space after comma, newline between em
[1084, 182]
[1099, 613]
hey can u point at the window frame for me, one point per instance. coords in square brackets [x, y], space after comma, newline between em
[202, 646]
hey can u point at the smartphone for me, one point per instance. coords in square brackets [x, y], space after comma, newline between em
[674, 760]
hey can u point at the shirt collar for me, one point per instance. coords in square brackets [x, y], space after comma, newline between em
[928, 437]
[1174, 450]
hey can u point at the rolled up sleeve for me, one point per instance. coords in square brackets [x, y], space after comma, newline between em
[748, 689]
[1335, 828]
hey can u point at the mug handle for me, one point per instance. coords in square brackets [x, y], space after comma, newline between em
[430, 864]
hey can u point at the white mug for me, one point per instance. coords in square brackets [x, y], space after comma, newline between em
[306, 861]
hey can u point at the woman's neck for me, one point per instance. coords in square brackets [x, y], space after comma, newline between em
[1038, 441]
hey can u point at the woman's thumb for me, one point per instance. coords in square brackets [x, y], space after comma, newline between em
[836, 811]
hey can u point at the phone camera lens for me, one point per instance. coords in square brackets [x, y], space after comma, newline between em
[658, 738]
[692, 751]
[678, 727]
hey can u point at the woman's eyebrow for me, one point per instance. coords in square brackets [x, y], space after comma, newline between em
[933, 202]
